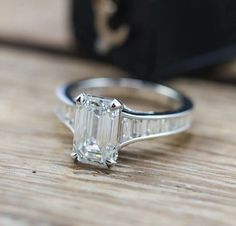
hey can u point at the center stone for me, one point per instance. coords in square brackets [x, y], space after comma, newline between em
[96, 129]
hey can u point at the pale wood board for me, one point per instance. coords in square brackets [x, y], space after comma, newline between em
[188, 179]
[43, 23]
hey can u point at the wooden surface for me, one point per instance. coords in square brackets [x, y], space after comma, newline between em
[187, 179]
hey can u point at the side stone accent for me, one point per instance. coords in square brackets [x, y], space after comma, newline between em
[135, 128]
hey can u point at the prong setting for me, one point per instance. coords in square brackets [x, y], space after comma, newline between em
[110, 163]
[74, 155]
[115, 104]
[80, 99]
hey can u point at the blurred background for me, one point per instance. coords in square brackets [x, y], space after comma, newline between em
[154, 40]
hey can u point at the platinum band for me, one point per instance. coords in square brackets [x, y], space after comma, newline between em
[133, 125]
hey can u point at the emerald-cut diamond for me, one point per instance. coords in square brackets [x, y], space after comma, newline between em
[96, 129]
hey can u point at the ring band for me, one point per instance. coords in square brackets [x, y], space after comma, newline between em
[102, 125]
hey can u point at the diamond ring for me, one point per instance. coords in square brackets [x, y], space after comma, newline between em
[102, 125]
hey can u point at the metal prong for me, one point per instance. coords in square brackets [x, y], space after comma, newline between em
[115, 104]
[80, 99]
[73, 155]
[109, 163]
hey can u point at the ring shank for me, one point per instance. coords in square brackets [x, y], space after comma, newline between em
[135, 125]
[103, 83]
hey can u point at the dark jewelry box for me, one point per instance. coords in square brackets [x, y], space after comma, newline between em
[157, 39]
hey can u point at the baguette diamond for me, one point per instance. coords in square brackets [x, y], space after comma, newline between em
[96, 130]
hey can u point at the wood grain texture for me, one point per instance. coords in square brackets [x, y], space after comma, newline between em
[187, 179]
